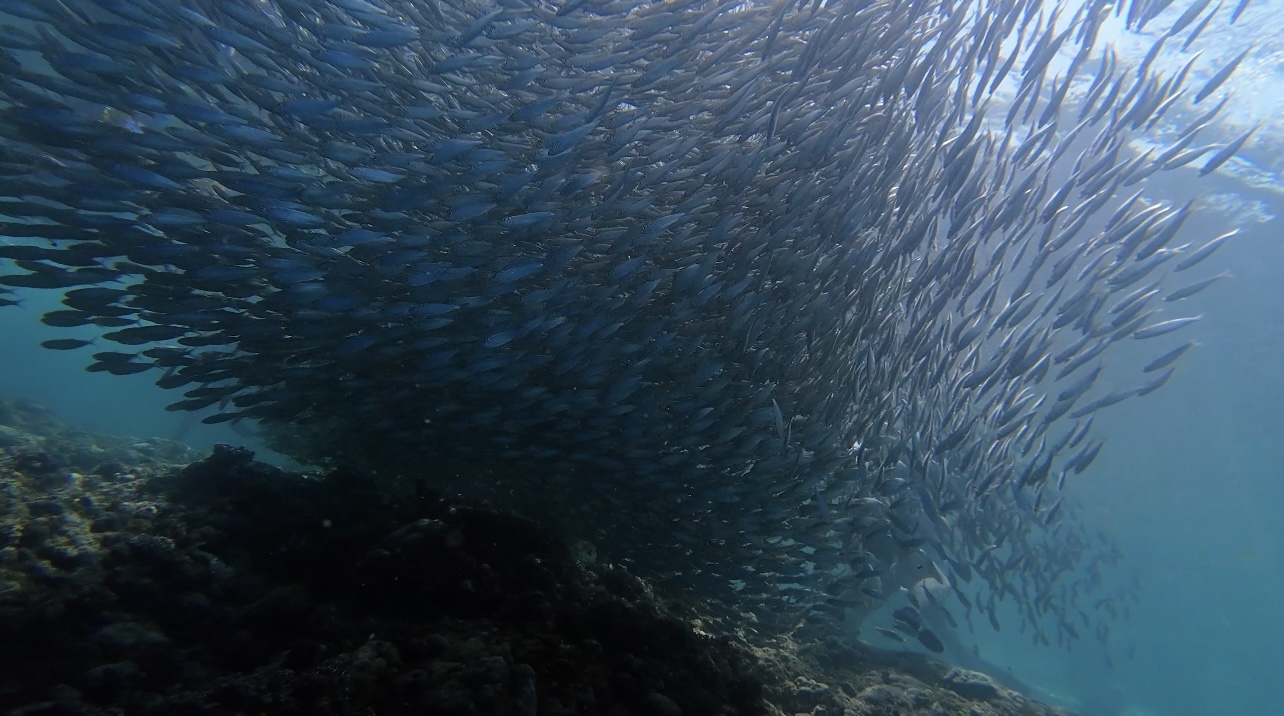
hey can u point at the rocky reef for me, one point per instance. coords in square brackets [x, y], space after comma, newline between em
[134, 580]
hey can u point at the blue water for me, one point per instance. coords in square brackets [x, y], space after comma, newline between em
[1190, 486]
[129, 405]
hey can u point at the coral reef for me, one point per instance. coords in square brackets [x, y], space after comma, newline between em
[131, 583]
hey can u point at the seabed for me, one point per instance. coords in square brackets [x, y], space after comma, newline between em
[138, 577]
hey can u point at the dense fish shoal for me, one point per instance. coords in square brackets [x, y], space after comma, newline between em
[803, 303]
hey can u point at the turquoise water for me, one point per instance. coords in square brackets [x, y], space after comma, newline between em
[129, 405]
[1189, 484]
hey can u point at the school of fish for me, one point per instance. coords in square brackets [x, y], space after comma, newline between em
[792, 301]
